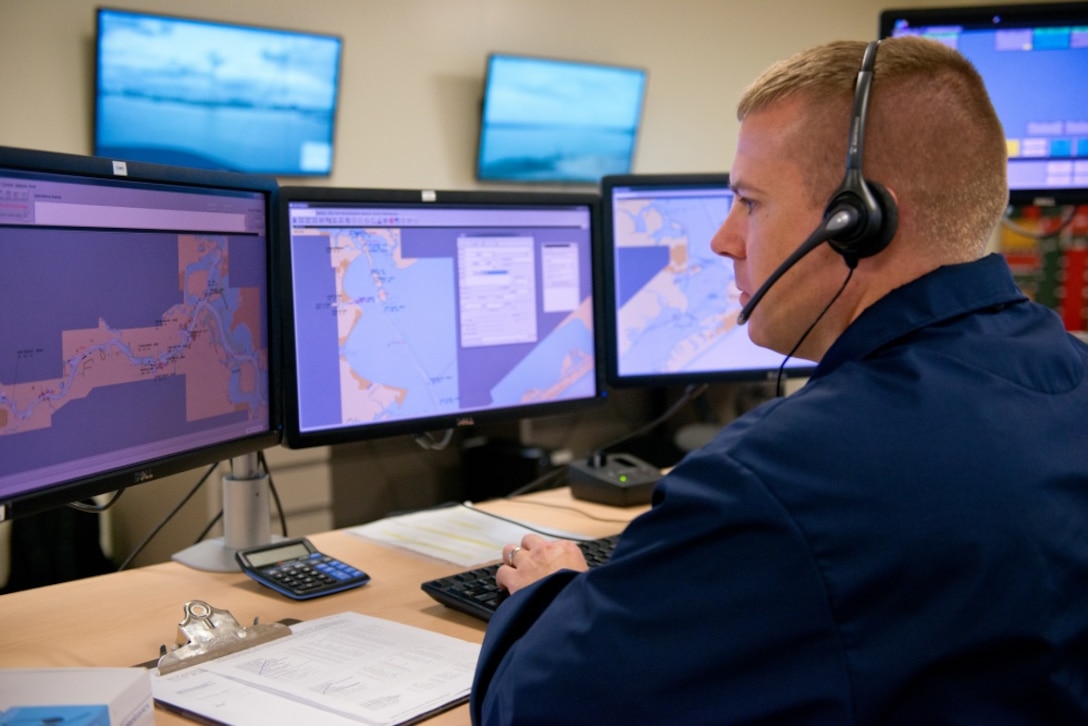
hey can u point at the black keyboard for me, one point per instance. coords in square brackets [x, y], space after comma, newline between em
[476, 593]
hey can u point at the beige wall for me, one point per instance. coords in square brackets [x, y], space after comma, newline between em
[413, 69]
[410, 95]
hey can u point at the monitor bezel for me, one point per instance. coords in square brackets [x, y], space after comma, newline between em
[152, 470]
[242, 26]
[610, 341]
[296, 438]
[487, 92]
[1011, 15]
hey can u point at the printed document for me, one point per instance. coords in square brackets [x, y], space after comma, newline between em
[459, 534]
[342, 669]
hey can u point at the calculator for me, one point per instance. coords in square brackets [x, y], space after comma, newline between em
[296, 569]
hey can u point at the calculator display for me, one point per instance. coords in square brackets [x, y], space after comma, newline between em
[268, 557]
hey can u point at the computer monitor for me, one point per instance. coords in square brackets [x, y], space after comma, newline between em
[552, 120]
[670, 302]
[412, 312]
[215, 95]
[1034, 61]
[136, 335]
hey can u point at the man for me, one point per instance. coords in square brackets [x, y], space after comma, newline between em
[903, 540]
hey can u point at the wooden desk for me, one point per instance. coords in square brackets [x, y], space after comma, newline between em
[121, 619]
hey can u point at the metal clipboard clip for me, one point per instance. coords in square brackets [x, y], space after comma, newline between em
[207, 633]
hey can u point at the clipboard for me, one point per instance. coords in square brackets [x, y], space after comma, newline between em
[206, 633]
[347, 668]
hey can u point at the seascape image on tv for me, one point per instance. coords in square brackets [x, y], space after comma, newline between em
[558, 121]
[214, 96]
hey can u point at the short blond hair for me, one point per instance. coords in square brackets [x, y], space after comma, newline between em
[932, 135]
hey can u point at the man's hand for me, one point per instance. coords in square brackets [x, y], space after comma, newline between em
[536, 557]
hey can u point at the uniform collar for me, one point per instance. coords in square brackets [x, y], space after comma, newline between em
[945, 293]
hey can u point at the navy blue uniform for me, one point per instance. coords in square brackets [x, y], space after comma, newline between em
[905, 539]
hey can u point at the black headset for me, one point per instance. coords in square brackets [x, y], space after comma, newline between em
[861, 218]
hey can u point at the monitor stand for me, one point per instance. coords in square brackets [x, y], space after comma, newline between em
[246, 519]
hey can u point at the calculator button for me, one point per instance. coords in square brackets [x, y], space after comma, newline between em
[310, 575]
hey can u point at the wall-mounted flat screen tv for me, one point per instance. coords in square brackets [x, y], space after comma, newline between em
[215, 95]
[547, 120]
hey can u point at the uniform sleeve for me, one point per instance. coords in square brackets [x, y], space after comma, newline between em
[711, 610]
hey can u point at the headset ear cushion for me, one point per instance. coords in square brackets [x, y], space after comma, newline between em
[874, 228]
[889, 218]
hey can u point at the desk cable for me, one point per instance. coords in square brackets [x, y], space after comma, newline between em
[169, 515]
[540, 530]
[691, 393]
[177, 508]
